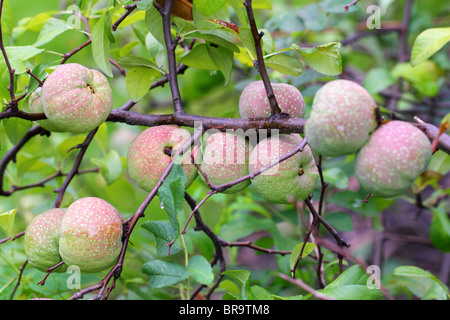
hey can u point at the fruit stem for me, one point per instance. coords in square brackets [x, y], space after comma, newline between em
[91, 88]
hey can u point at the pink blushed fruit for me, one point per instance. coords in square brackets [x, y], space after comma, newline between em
[253, 102]
[292, 179]
[225, 159]
[394, 157]
[35, 106]
[151, 152]
[42, 240]
[76, 98]
[91, 235]
[341, 120]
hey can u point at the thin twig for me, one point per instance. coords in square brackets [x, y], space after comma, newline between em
[22, 268]
[304, 286]
[61, 190]
[171, 45]
[259, 62]
[13, 102]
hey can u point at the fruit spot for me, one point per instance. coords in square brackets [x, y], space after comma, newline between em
[168, 151]
[90, 88]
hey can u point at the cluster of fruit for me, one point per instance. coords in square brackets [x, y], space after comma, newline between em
[389, 155]
[87, 234]
[228, 156]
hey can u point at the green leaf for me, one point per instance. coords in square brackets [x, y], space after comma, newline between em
[428, 43]
[163, 233]
[137, 62]
[200, 269]
[144, 4]
[27, 164]
[243, 277]
[163, 273]
[138, 82]
[440, 162]
[309, 247]
[416, 272]
[23, 53]
[153, 20]
[440, 230]
[101, 44]
[239, 275]
[17, 56]
[207, 8]
[199, 58]
[51, 29]
[353, 200]
[341, 221]
[110, 166]
[337, 177]
[325, 58]
[16, 128]
[243, 226]
[262, 4]
[261, 294]
[171, 194]
[352, 285]
[285, 64]
[223, 59]
[7, 221]
[377, 80]
[246, 37]
[424, 76]
[218, 37]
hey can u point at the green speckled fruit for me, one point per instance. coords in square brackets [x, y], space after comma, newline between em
[394, 157]
[150, 153]
[91, 235]
[253, 102]
[225, 159]
[76, 98]
[42, 240]
[35, 106]
[291, 180]
[341, 119]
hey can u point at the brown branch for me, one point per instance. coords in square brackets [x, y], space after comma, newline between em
[22, 268]
[43, 181]
[66, 56]
[171, 45]
[16, 236]
[10, 113]
[443, 139]
[259, 62]
[347, 6]
[130, 8]
[13, 102]
[283, 125]
[304, 286]
[35, 77]
[83, 147]
[11, 154]
[341, 242]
